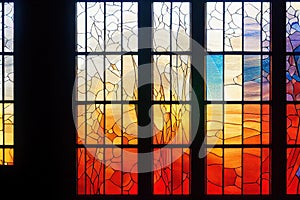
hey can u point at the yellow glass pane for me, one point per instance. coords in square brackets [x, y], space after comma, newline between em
[130, 125]
[214, 123]
[8, 157]
[233, 124]
[161, 77]
[9, 124]
[130, 77]
[113, 133]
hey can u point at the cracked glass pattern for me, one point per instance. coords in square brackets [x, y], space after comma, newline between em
[238, 124]
[292, 95]
[106, 171]
[238, 82]
[171, 94]
[106, 81]
[171, 171]
[107, 124]
[237, 77]
[106, 26]
[292, 26]
[238, 171]
[110, 77]
[292, 173]
[293, 116]
[292, 47]
[237, 26]
[171, 124]
[172, 78]
[171, 26]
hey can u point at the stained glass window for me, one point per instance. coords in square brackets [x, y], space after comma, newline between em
[292, 96]
[111, 101]
[106, 55]
[238, 79]
[107, 98]
[171, 55]
[7, 83]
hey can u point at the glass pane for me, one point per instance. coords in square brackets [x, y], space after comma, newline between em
[8, 27]
[238, 171]
[214, 77]
[252, 77]
[292, 123]
[233, 26]
[95, 32]
[106, 171]
[292, 27]
[110, 26]
[171, 171]
[214, 26]
[130, 26]
[252, 26]
[171, 127]
[171, 26]
[292, 78]
[161, 26]
[241, 124]
[238, 26]
[233, 78]
[293, 171]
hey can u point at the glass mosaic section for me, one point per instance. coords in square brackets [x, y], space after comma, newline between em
[106, 171]
[172, 171]
[106, 72]
[238, 171]
[171, 26]
[238, 124]
[238, 26]
[106, 26]
[238, 91]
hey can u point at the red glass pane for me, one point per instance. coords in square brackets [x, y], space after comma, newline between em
[238, 171]
[171, 171]
[292, 123]
[293, 172]
[107, 171]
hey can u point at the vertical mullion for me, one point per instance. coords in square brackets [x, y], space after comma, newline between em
[279, 99]
[145, 161]
[197, 164]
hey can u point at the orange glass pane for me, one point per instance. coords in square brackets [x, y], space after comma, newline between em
[171, 124]
[241, 124]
